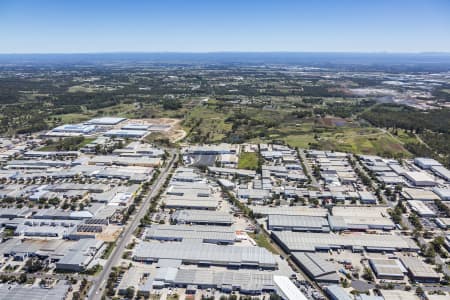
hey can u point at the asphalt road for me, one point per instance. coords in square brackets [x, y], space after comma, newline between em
[308, 168]
[100, 282]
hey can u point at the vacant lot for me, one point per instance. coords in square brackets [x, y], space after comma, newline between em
[248, 160]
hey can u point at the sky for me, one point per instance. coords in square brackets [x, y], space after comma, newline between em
[68, 26]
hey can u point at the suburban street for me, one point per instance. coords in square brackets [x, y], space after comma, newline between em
[99, 283]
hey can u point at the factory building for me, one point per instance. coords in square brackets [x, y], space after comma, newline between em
[199, 217]
[206, 234]
[443, 193]
[316, 267]
[126, 133]
[420, 179]
[298, 223]
[387, 268]
[105, 121]
[420, 271]
[311, 242]
[421, 208]
[426, 163]
[79, 255]
[206, 254]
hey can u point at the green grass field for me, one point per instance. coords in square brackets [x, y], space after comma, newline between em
[248, 160]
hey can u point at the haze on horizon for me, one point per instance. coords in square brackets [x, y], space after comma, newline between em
[227, 26]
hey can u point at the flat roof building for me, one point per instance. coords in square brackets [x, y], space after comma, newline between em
[426, 163]
[420, 179]
[200, 217]
[335, 292]
[126, 133]
[421, 208]
[418, 270]
[316, 267]
[443, 193]
[311, 242]
[205, 234]
[387, 268]
[206, 254]
[442, 172]
[106, 121]
[298, 223]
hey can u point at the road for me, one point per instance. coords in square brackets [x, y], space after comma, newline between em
[373, 185]
[302, 155]
[100, 282]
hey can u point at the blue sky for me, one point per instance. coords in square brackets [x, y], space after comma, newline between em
[69, 26]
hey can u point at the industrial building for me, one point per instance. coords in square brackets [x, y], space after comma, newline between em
[387, 268]
[106, 121]
[126, 133]
[79, 255]
[206, 254]
[336, 292]
[442, 172]
[419, 194]
[443, 193]
[419, 271]
[426, 163]
[200, 217]
[20, 292]
[72, 130]
[420, 178]
[421, 208]
[316, 267]
[207, 234]
[298, 223]
[245, 282]
[311, 242]
[359, 223]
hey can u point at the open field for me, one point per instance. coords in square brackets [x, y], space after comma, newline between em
[248, 160]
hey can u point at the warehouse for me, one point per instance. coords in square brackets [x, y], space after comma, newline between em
[206, 254]
[253, 194]
[231, 171]
[443, 193]
[335, 292]
[126, 133]
[206, 234]
[197, 203]
[79, 255]
[421, 208]
[72, 129]
[419, 194]
[212, 149]
[339, 223]
[442, 172]
[200, 217]
[186, 175]
[132, 126]
[420, 271]
[387, 268]
[298, 223]
[288, 210]
[443, 223]
[108, 160]
[51, 154]
[246, 282]
[420, 178]
[106, 121]
[426, 163]
[287, 289]
[316, 267]
[367, 198]
[20, 292]
[311, 242]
